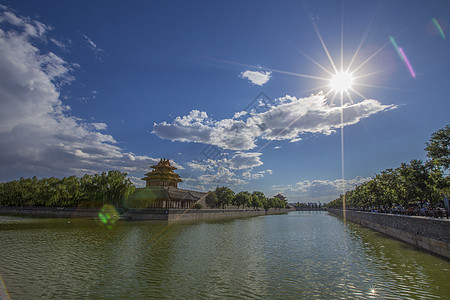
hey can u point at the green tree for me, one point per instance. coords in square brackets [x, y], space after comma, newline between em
[111, 187]
[119, 187]
[281, 198]
[279, 203]
[91, 194]
[242, 198]
[272, 203]
[417, 183]
[258, 199]
[438, 148]
[439, 181]
[224, 196]
[211, 200]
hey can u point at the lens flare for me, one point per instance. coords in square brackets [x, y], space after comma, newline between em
[394, 43]
[402, 55]
[4, 294]
[108, 216]
[438, 27]
[405, 59]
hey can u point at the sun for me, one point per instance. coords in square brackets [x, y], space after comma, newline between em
[341, 82]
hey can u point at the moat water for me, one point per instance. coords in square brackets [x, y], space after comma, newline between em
[301, 255]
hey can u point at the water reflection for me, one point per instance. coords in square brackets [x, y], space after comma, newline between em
[299, 255]
[407, 270]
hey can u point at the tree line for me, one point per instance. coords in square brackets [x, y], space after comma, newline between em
[89, 191]
[224, 196]
[411, 184]
[308, 205]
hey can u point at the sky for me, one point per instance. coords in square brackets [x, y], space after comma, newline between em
[234, 93]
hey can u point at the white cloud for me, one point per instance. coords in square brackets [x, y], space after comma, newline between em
[93, 46]
[256, 175]
[28, 27]
[221, 171]
[199, 166]
[239, 114]
[12, 19]
[277, 147]
[191, 182]
[194, 127]
[197, 127]
[257, 77]
[99, 126]
[137, 181]
[244, 160]
[293, 117]
[318, 190]
[239, 161]
[58, 43]
[91, 97]
[37, 136]
[223, 176]
[287, 119]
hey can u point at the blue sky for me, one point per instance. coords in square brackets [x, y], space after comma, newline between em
[90, 86]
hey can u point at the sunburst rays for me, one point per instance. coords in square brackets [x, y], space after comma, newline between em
[342, 80]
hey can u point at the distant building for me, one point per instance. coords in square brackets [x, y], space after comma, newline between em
[283, 198]
[279, 196]
[161, 190]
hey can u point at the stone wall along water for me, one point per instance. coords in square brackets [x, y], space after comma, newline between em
[171, 215]
[427, 233]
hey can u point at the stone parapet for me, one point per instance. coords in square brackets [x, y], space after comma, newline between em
[427, 233]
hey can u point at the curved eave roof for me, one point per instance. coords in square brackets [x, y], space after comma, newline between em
[163, 166]
[162, 178]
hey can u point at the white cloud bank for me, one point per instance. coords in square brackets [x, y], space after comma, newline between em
[287, 119]
[239, 161]
[257, 77]
[222, 176]
[318, 190]
[223, 171]
[37, 134]
[211, 178]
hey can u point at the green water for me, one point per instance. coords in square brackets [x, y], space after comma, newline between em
[302, 255]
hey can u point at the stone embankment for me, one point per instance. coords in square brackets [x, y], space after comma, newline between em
[427, 233]
[49, 211]
[171, 215]
[176, 215]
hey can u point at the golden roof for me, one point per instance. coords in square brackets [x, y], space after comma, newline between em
[162, 171]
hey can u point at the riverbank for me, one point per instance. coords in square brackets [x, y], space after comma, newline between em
[429, 234]
[134, 214]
